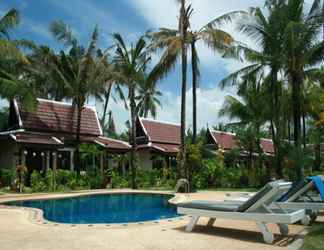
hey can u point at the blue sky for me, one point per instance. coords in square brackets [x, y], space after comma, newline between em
[132, 18]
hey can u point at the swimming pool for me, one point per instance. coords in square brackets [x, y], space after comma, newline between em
[104, 208]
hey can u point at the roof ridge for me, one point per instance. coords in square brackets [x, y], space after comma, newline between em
[65, 103]
[115, 140]
[159, 121]
[222, 132]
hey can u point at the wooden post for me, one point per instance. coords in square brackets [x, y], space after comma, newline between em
[102, 163]
[48, 157]
[54, 169]
[72, 160]
[23, 158]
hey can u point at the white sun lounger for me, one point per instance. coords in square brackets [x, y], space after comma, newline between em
[296, 200]
[257, 209]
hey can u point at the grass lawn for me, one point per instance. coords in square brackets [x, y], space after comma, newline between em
[314, 240]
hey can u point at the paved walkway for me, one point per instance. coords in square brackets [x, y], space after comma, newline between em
[17, 232]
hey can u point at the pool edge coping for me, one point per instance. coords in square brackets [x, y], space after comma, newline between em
[35, 215]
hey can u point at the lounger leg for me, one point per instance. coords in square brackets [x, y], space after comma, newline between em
[306, 221]
[192, 223]
[284, 230]
[267, 235]
[211, 222]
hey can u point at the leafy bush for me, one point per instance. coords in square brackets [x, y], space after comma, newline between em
[7, 177]
[119, 181]
[38, 183]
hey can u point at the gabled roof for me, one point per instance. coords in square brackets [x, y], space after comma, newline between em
[161, 132]
[224, 140]
[162, 137]
[112, 144]
[57, 117]
[267, 146]
[32, 138]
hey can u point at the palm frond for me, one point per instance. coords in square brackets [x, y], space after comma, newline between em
[10, 20]
[63, 33]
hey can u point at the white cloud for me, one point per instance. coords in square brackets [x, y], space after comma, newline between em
[165, 14]
[209, 102]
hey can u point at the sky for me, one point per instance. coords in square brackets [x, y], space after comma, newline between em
[132, 18]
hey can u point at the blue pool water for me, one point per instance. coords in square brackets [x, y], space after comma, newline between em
[104, 208]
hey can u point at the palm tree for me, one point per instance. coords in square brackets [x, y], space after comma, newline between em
[302, 50]
[79, 71]
[130, 65]
[12, 84]
[148, 99]
[268, 33]
[175, 44]
[8, 48]
[131, 70]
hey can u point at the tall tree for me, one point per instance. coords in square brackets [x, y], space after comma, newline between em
[12, 60]
[131, 70]
[130, 64]
[175, 44]
[148, 99]
[303, 49]
[268, 33]
[80, 71]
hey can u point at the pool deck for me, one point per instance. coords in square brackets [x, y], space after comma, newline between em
[19, 230]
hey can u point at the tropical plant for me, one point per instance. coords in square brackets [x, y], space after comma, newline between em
[267, 30]
[148, 99]
[130, 65]
[80, 71]
[12, 60]
[175, 44]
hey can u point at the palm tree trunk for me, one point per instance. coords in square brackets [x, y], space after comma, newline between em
[107, 97]
[194, 92]
[304, 129]
[133, 135]
[276, 135]
[77, 151]
[296, 82]
[182, 172]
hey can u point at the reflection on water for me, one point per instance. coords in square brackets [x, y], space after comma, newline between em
[108, 208]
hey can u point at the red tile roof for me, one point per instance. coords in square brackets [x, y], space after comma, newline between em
[267, 146]
[161, 147]
[35, 138]
[161, 132]
[112, 144]
[224, 140]
[59, 117]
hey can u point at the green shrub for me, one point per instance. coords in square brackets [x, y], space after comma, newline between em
[38, 183]
[7, 177]
[119, 181]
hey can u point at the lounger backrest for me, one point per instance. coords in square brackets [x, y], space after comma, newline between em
[301, 188]
[268, 194]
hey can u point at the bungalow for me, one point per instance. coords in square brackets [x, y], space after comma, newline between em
[225, 141]
[46, 136]
[156, 138]
[222, 141]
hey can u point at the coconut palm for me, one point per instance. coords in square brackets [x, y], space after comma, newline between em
[302, 50]
[131, 70]
[148, 99]
[80, 71]
[130, 64]
[268, 33]
[175, 44]
[12, 84]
